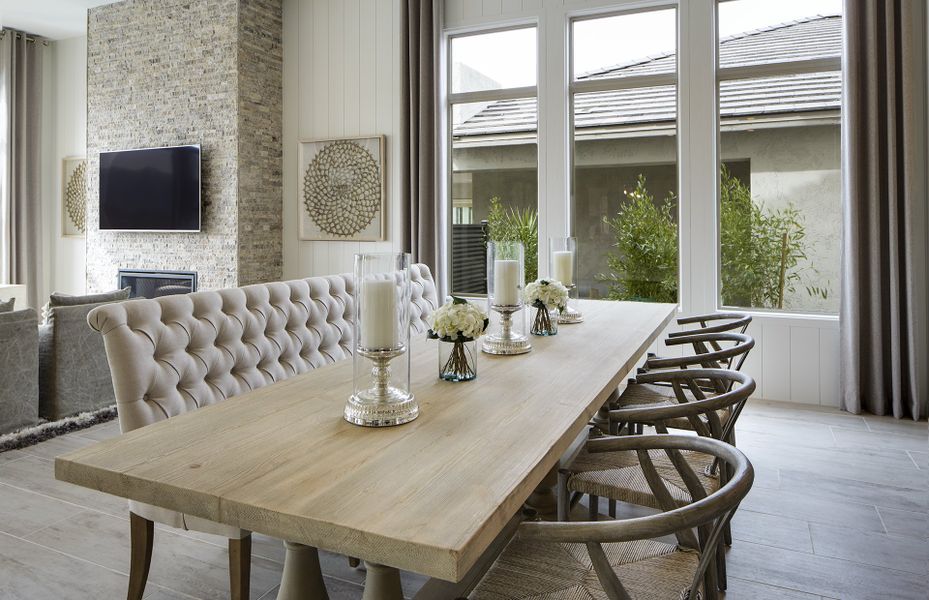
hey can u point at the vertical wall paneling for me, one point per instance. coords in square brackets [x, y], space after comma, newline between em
[776, 362]
[829, 367]
[804, 365]
[348, 66]
[753, 364]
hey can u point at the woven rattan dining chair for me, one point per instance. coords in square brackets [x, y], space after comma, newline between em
[713, 351]
[619, 478]
[621, 559]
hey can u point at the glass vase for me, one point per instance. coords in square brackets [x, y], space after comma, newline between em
[562, 266]
[544, 321]
[458, 360]
[505, 282]
[381, 348]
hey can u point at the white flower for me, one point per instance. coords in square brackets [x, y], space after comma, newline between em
[457, 319]
[549, 292]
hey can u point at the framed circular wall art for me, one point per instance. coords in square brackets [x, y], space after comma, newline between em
[341, 189]
[73, 196]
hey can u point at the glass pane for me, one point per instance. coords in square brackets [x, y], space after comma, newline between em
[780, 182]
[641, 43]
[780, 211]
[494, 186]
[477, 65]
[626, 195]
[754, 32]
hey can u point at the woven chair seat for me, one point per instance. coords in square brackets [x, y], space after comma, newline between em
[638, 394]
[531, 569]
[618, 476]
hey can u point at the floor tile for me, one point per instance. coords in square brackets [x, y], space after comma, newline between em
[11, 455]
[179, 563]
[841, 488]
[900, 440]
[742, 589]
[38, 475]
[772, 530]
[22, 512]
[103, 431]
[878, 549]
[30, 572]
[805, 507]
[57, 446]
[804, 414]
[920, 459]
[821, 575]
[906, 523]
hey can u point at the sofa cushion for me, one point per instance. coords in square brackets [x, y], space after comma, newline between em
[7, 305]
[58, 299]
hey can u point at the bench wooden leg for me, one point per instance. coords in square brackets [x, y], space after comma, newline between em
[240, 567]
[142, 536]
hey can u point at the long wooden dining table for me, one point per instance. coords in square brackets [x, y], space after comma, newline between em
[429, 496]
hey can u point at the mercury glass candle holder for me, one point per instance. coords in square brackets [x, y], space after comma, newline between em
[381, 356]
[505, 278]
[562, 266]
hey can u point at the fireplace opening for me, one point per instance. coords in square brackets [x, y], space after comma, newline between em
[143, 283]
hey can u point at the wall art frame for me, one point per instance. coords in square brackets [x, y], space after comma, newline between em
[73, 198]
[342, 189]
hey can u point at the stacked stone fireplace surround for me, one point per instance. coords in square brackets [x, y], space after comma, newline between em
[208, 72]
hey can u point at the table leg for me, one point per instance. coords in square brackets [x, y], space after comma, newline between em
[302, 578]
[543, 499]
[382, 583]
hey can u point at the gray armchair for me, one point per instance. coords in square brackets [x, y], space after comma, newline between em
[74, 374]
[19, 370]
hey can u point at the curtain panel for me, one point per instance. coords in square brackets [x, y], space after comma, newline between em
[421, 229]
[21, 62]
[884, 329]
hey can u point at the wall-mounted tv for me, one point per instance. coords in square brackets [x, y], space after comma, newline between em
[151, 189]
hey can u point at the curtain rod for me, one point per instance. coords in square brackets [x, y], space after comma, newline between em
[19, 35]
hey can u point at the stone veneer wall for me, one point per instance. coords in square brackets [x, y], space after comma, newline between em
[170, 72]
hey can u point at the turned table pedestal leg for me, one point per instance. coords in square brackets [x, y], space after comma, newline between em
[382, 583]
[543, 499]
[302, 578]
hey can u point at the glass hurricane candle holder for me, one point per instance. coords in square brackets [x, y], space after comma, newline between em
[381, 356]
[505, 277]
[562, 264]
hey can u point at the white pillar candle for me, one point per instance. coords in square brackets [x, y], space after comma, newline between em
[563, 266]
[378, 314]
[506, 282]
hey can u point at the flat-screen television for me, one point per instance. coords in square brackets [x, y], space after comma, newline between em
[151, 189]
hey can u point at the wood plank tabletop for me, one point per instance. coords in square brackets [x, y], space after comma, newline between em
[428, 496]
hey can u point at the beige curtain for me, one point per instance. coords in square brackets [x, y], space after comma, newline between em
[419, 145]
[21, 59]
[884, 348]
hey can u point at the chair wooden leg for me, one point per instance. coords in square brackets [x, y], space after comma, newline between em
[593, 508]
[611, 508]
[240, 567]
[721, 580]
[142, 535]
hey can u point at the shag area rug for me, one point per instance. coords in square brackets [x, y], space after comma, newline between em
[30, 436]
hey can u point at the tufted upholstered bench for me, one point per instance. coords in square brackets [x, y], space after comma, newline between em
[174, 354]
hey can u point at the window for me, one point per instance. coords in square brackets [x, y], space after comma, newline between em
[492, 112]
[625, 177]
[780, 95]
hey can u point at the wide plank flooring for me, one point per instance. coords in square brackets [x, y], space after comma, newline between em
[839, 510]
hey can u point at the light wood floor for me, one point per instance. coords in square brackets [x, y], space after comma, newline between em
[838, 511]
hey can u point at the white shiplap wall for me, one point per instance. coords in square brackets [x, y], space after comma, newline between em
[796, 358]
[341, 79]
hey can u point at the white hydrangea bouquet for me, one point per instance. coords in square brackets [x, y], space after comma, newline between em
[546, 296]
[459, 323]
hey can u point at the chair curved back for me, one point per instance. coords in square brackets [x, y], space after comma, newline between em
[708, 512]
[173, 354]
[739, 387]
[714, 323]
[711, 351]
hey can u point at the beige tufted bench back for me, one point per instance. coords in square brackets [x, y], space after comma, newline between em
[174, 354]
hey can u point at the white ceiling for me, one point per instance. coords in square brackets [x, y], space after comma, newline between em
[54, 19]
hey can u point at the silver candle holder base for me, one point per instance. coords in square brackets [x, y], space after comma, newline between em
[381, 405]
[570, 315]
[506, 342]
